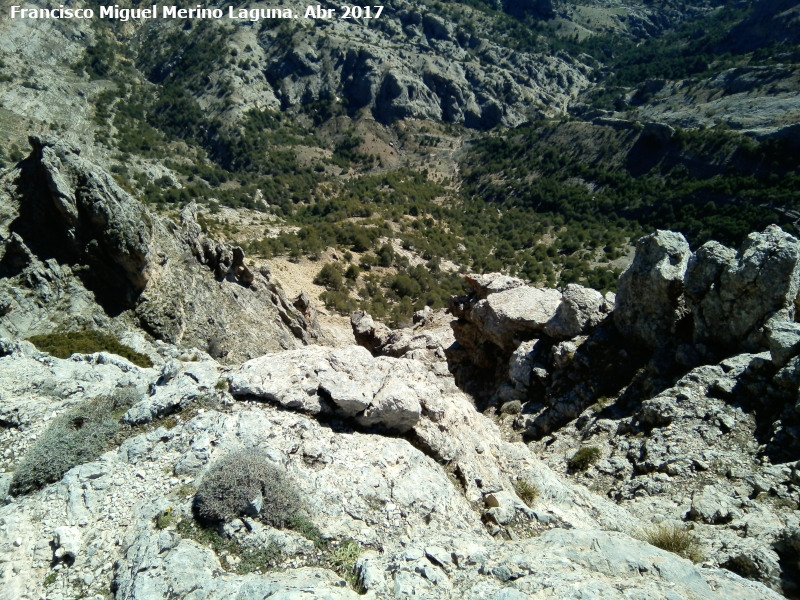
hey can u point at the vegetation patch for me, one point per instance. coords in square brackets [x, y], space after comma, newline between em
[63, 344]
[233, 556]
[527, 491]
[343, 561]
[246, 483]
[76, 437]
[584, 458]
[675, 539]
[165, 519]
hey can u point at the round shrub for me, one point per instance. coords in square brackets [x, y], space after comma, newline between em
[246, 483]
[584, 458]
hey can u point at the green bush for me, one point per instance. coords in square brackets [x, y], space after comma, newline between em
[584, 458]
[63, 344]
[352, 272]
[343, 560]
[233, 486]
[78, 436]
[250, 560]
[675, 539]
[330, 276]
[165, 519]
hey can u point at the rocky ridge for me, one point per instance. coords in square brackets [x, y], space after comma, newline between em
[687, 389]
[78, 251]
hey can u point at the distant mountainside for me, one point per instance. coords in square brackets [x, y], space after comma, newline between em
[584, 124]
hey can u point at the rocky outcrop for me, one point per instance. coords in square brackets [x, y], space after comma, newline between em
[504, 311]
[440, 503]
[72, 212]
[389, 453]
[78, 252]
[716, 296]
[732, 299]
[427, 341]
[650, 300]
[348, 382]
[506, 323]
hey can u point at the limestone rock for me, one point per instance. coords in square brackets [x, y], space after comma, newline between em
[581, 309]
[89, 219]
[161, 565]
[187, 383]
[731, 297]
[508, 315]
[650, 299]
[711, 507]
[68, 543]
[349, 381]
[367, 333]
[102, 252]
[492, 283]
[783, 338]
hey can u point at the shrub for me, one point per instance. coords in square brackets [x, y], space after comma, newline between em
[63, 344]
[78, 436]
[352, 272]
[246, 483]
[584, 458]
[165, 519]
[344, 559]
[330, 276]
[308, 530]
[675, 539]
[527, 491]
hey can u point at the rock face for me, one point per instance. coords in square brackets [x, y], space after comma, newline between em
[650, 300]
[380, 491]
[78, 252]
[427, 341]
[727, 296]
[689, 393]
[731, 299]
[347, 382]
[74, 213]
[445, 74]
[502, 314]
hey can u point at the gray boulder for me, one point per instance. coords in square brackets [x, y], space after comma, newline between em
[163, 565]
[508, 316]
[650, 299]
[581, 309]
[732, 297]
[783, 338]
[348, 381]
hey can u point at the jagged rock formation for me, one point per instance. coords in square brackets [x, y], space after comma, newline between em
[728, 296]
[79, 252]
[502, 314]
[426, 341]
[689, 392]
